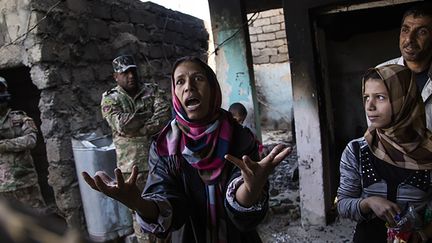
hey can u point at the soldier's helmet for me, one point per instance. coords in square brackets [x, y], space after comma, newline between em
[123, 63]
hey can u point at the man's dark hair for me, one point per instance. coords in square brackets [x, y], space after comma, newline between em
[419, 9]
[238, 108]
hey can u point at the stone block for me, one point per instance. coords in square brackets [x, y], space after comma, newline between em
[271, 28]
[70, 32]
[117, 28]
[283, 49]
[253, 38]
[90, 52]
[82, 75]
[261, 22]
[279, 58]
[44, 76]
[55, 52]
[119, 14]
[270, 13]
[142, 33]
[58, 149]
[255, 30]
[281, 34]
[258, 45]
[266, 37]
[156, 51]
[98, 29]
[137, 16]
[78, 6]
[277, 19]
[100, 10]
[261, 59]
[275, 43]
[269, 51]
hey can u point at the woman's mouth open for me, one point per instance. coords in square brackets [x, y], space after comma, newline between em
[192, 104]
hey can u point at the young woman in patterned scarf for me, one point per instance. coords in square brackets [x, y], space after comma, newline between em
[390, 166]
[198, 189]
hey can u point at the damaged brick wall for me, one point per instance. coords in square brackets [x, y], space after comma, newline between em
[69, 55]
[272, 69]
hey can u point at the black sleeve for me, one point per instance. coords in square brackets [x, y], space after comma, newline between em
[165, 181]
[244, 143]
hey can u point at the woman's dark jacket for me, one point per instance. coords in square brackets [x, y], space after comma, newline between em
[171, 178]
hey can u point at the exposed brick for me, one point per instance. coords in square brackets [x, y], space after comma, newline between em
[261, 22]
[269, 51]
[255, 30]
[266, 37]
[277, 19]
[283, 49]
[271, 28]
[261, 59]
[279, 58]
[281, 34]
[275, 43]
[269, 13]
[256, 52]
[258, 45]
[253, 38]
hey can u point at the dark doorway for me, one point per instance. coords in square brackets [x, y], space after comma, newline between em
[348, 42]
[25, 97]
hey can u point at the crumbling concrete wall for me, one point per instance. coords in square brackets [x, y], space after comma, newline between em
[271, 69]
[69, 54]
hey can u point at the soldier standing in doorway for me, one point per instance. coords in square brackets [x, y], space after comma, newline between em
[18, 133]
[135, 111]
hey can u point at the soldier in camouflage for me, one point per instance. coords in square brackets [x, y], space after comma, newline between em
[135, 111]
[18, 177]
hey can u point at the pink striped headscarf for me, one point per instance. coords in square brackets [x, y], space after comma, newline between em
[201, 143]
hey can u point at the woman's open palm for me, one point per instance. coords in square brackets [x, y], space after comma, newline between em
[124, 191]
[255, 174]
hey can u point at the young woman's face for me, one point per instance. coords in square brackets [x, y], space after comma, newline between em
[192, 88]
[377, 103]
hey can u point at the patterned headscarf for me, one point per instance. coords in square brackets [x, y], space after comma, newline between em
[405, 142]
[203, 145]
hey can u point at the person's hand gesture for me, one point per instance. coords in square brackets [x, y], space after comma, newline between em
[383, 208]
[255, 174]
[124, 191]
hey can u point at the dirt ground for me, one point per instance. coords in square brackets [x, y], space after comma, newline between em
[282, 223]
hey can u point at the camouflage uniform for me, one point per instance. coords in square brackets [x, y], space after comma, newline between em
[133, 121]
[18, 177]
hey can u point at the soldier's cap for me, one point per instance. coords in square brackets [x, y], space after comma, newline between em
[123, 63]
[3, 81]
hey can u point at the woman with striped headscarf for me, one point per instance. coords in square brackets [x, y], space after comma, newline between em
[198, 189]
[390, 166]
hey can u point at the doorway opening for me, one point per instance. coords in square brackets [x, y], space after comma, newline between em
[25, 97]
[345, 49]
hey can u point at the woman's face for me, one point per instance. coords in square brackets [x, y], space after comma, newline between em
[377, 103]
[192, 88]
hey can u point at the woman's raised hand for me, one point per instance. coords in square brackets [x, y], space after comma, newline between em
[255, 174]
[124, 191]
